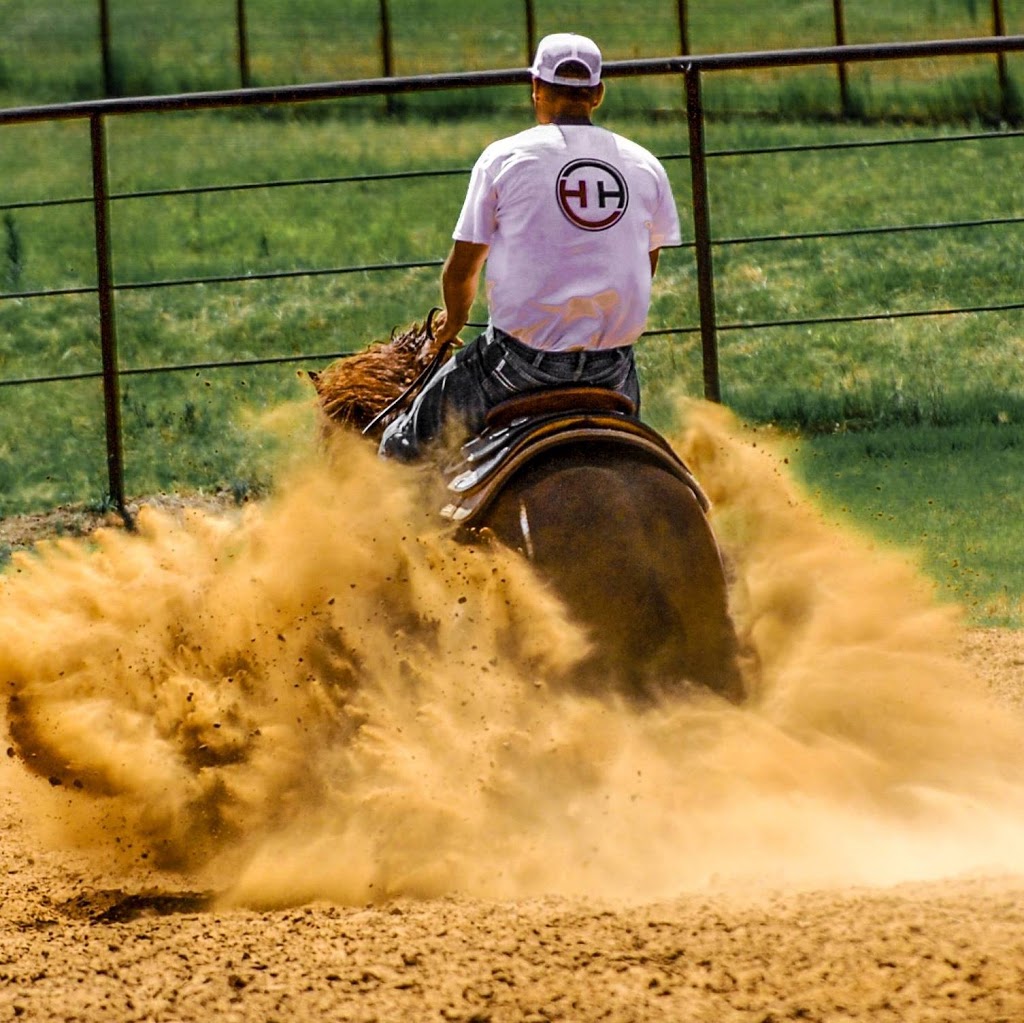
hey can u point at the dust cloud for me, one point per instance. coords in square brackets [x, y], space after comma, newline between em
[328, 699]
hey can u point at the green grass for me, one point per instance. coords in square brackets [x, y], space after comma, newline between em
[50, 51]
[814, 378]
[952, 495]
[927, 409]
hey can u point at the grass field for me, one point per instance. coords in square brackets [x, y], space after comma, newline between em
[951, 494]
[913, 427]
[50, 51]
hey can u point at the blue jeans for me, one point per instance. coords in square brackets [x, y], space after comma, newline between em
[493, 367]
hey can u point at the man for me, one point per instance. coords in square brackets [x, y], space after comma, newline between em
[569, 219]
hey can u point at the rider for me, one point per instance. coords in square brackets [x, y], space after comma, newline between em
[569, 218]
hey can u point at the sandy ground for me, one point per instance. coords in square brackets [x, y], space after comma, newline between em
[845, 848]
[81, 944]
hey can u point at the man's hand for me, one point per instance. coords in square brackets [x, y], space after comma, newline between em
[444, 330]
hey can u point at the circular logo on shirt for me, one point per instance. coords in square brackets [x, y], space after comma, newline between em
[591, 194]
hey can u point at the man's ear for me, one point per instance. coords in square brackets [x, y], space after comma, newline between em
[600, 95]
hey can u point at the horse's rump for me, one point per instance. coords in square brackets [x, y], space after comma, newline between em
[626, 544]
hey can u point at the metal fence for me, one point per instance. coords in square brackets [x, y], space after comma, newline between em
[691, 69]
[835, 12]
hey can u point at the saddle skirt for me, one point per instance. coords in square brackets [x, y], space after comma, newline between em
[524, 427]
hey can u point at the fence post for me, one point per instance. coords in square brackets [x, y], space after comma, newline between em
[386, 54]
[243, 44]
[999, 29]
[838, 21]
[105, 54]
[702, 234]
[684, 28]
[108, 326]
[531, 31]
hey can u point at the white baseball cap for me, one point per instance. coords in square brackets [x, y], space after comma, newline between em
[555, 50]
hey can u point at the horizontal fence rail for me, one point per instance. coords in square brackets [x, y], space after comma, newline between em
[690, 68]
[680, 11]
[640, 67]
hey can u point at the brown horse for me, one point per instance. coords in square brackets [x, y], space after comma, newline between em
[605, 511]
[627, 546]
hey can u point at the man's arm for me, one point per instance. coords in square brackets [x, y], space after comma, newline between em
[654, 254]
[460, 279]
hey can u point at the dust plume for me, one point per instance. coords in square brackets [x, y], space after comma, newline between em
[328, 699]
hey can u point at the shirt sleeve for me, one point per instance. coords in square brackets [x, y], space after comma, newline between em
[478, 220]
[665, 224]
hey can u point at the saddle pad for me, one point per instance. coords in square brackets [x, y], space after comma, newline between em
[491, 458]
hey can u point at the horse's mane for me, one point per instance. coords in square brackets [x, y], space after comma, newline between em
[355, 390]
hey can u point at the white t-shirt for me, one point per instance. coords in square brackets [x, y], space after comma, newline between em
[570, 212]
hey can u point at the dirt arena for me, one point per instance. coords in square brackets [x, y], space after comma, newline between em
[210, 836]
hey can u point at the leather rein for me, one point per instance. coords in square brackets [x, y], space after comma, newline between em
[409, 394]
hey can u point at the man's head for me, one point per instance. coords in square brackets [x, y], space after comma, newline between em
[566, 76]
[567, 59]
